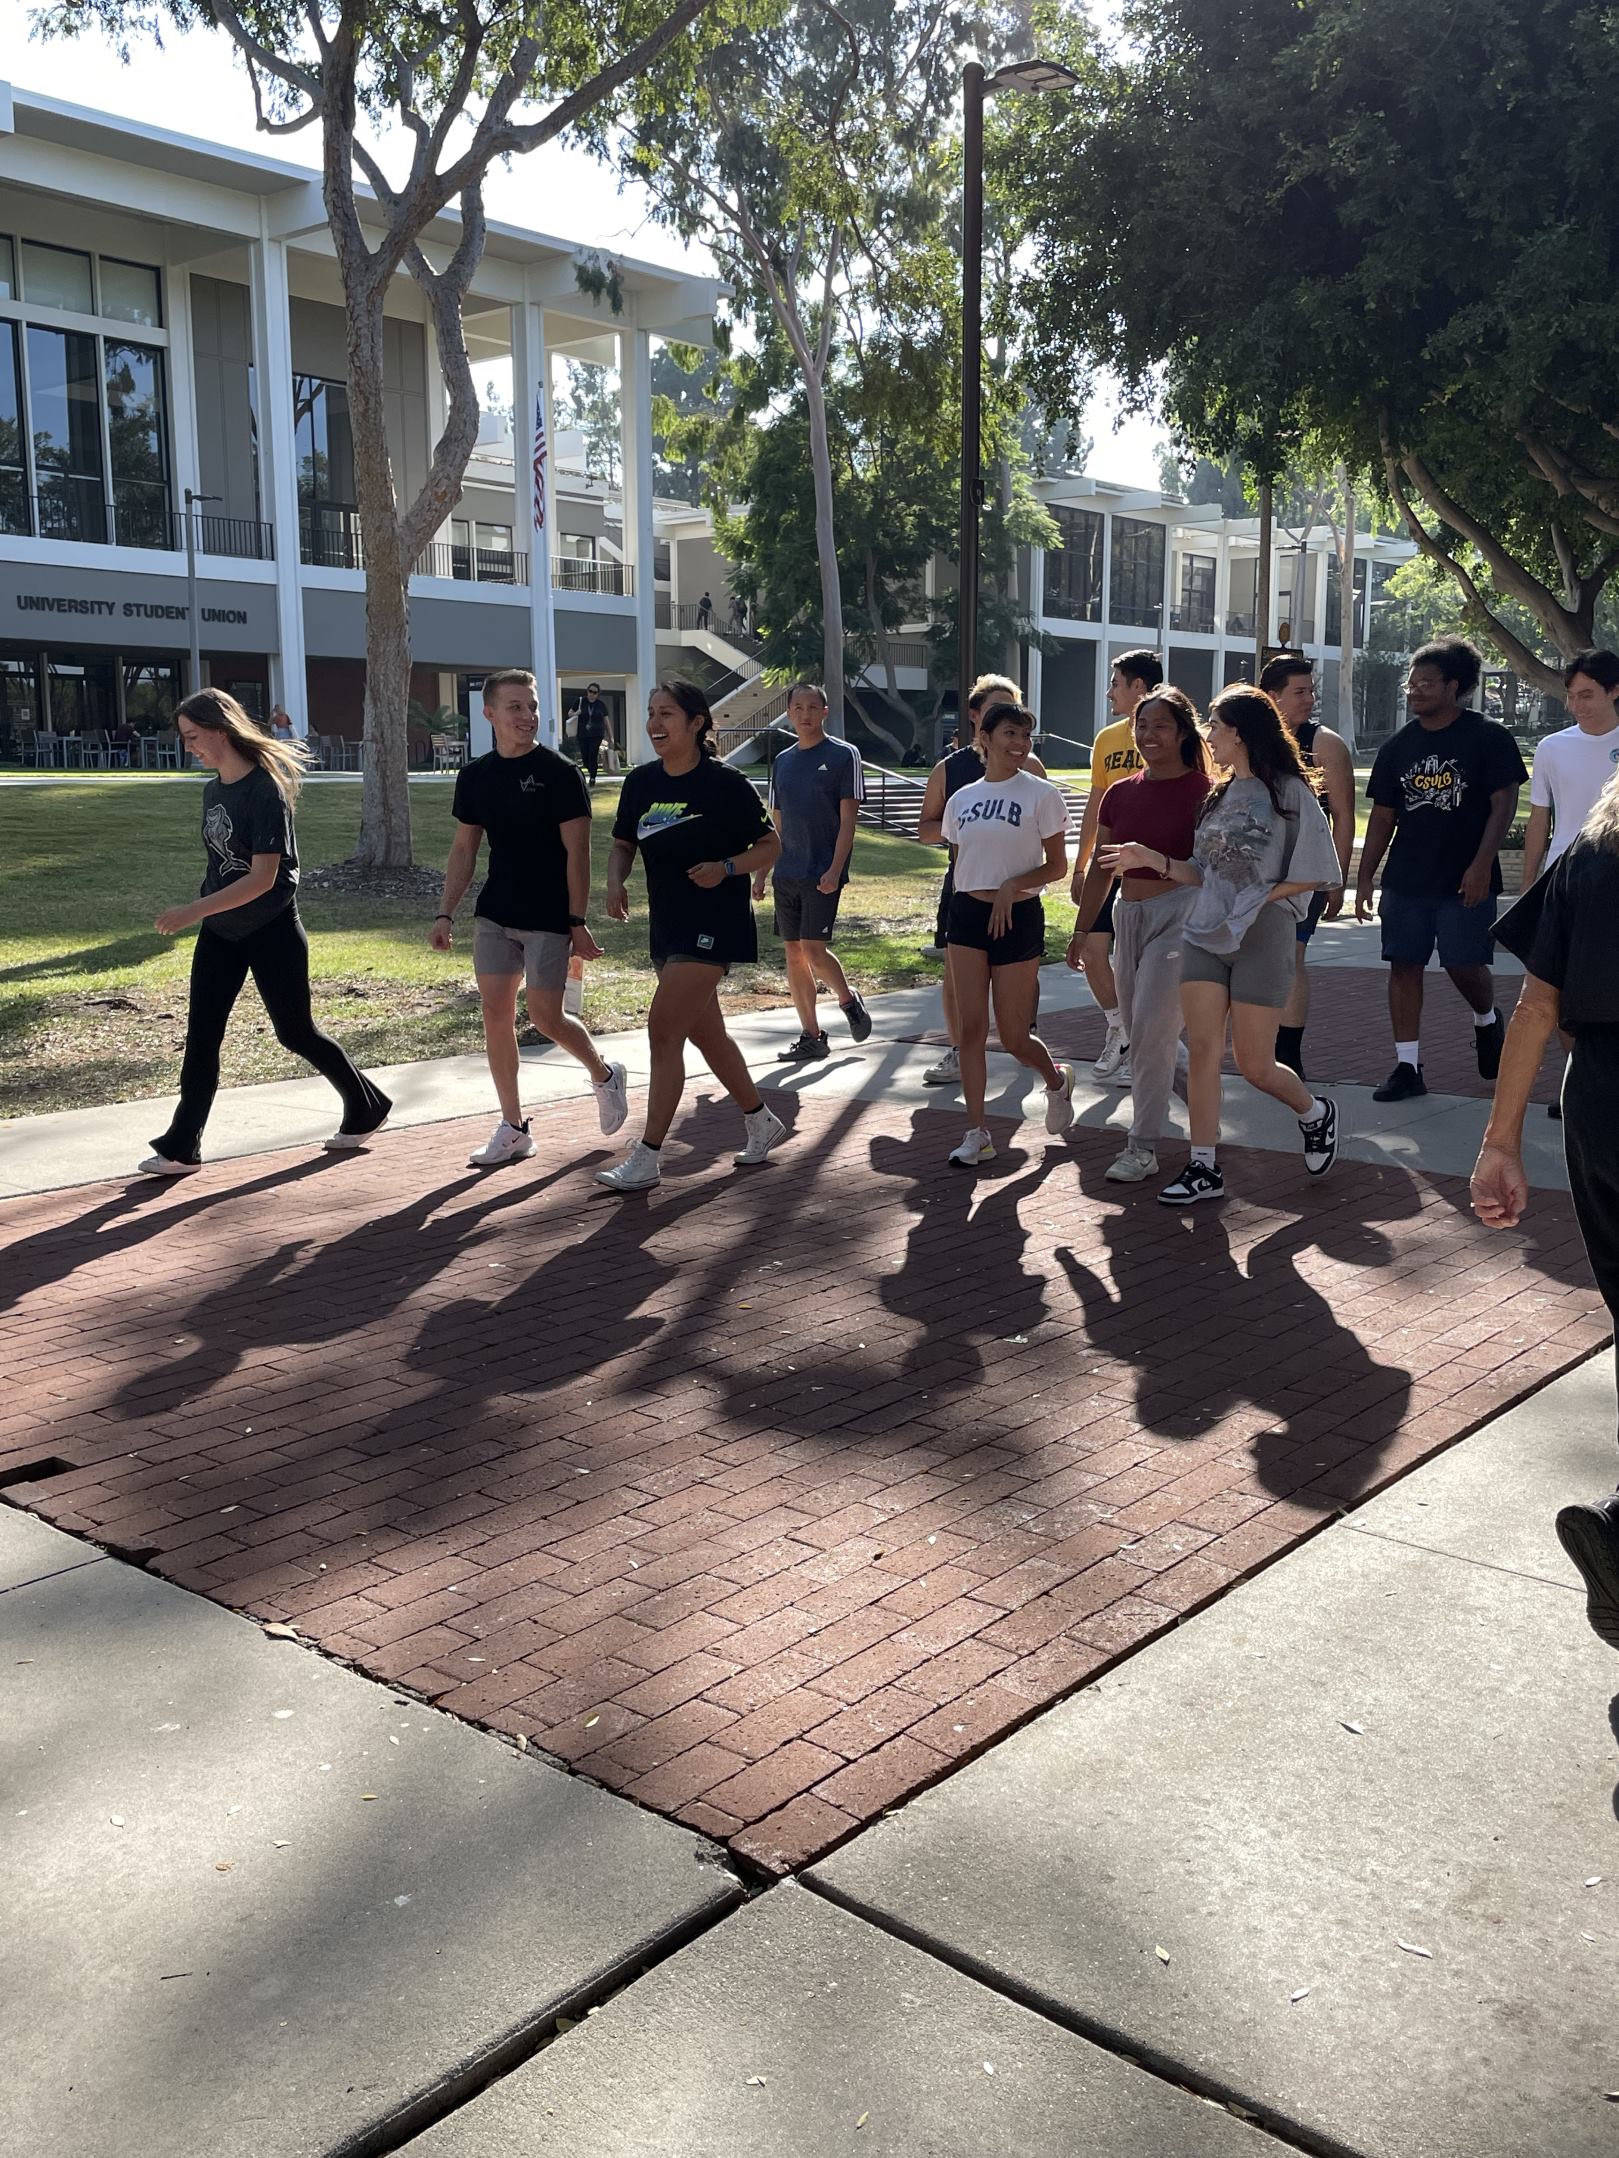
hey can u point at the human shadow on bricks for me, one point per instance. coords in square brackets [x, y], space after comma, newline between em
[960, 1300]
[292, 1297]
[131, 1217]
[1248, 1331]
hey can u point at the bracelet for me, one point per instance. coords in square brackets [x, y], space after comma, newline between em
[444, 917]
[1165, 859]
[577, 921]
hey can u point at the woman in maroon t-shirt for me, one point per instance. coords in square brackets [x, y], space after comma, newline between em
[1156, 806]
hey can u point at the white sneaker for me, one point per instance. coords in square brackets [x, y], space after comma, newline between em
[1120, 1074]
[1183, 1061]
[612, 1097]
[947, 1072]
[510, 1142]
[1060, 1101]
[638, 1171]
[1133, 1166]
[163, 1165]
[977, 1147]
[765, 1129]
[1114, 1050]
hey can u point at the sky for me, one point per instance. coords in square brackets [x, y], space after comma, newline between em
[196, 88]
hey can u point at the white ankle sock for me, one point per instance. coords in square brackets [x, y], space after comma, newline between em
[1204, 1154]
[1318, 1110]
[1407, 1053]
[1484, 1019]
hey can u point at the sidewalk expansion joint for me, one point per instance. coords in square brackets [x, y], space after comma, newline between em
[1195, 2082]
[516, 2047]
[1466, 1558]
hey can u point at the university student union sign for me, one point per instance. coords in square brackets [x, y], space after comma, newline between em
[103, 608]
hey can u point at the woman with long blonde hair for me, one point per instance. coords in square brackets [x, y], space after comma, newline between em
[247, 922]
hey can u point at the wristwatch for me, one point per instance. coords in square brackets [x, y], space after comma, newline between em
[576, 921]
[728, 866]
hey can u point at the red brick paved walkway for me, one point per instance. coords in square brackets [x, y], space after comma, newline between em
[766, 1499]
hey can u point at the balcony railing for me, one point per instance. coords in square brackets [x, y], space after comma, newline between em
[582, 573]
[329, 538]
[139, 514]
[1198, 617]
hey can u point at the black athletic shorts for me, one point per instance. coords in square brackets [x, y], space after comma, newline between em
[1103, 924]
[1025, 939]
[803, 910]
[941, 921]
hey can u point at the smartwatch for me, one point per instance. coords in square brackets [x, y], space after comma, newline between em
[576, 921]
[728, 866]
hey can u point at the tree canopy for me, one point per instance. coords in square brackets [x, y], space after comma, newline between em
[1387, 226]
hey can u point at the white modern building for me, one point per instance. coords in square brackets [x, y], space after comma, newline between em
[171, 320]
[1137, 567]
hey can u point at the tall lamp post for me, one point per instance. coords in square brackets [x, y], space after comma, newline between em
[194, 679]
[976, 85]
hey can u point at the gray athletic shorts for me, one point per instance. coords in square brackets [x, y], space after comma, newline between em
[1260, 970]
[540, 955]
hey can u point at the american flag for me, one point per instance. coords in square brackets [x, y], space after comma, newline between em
[539, 461]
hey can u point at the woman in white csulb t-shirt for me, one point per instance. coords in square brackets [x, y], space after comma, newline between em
[1010, 833]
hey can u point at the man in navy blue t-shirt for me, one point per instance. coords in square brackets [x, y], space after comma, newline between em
[814, 796]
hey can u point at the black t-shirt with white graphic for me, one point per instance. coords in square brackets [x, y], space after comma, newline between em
[241, 818]
[1438, 782]
[522, 804]
[707, 814]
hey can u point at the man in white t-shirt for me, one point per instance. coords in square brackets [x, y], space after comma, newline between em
[1574, 765]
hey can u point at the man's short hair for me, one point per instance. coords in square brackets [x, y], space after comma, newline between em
[999, 686]
[1278, 672]
[1141, 666]
[515, 677]
[807, 688]
[1456, 659]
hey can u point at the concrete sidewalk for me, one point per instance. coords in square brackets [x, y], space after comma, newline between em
[1338, 1857]
[257, 1907]
[1439, 1132]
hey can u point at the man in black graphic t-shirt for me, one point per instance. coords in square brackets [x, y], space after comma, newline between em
[530, 917]
[1444, 791]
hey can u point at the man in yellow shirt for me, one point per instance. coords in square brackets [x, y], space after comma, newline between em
[1113, 756]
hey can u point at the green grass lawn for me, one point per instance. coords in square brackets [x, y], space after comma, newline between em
[92, 1000]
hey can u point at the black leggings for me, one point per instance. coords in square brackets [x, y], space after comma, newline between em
[1591, 1144]
[590, 751]
[277, 957]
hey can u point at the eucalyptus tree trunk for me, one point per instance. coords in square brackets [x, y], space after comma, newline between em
[826, 549]
[1346, 609]
[384, 841]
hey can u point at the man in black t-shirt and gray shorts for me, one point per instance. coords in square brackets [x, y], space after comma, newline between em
[530, 917]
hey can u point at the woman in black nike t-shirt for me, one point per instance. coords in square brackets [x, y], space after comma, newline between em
[701, 832]
[247, 923]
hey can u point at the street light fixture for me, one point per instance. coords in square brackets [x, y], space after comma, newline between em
[976, 84]
[194, 677]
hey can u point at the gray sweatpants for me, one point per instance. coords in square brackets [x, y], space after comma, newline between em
[1147, 969]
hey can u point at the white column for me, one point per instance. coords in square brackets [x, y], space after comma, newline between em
[1222, 606]
[1034, 667]
[182, 391]
[536, 504]
[278, 470]
[1169, 594]
[635, 422]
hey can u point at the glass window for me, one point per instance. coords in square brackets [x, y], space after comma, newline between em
[1138, 572]
[330, 530]
[64, 398]
[1195, 607]
[494, 553]
[1074, 567]
[1335, 599]
[8, 270]
[151, 692]
[13, 464]
[130, 292]
[57, 277]
[137, 431]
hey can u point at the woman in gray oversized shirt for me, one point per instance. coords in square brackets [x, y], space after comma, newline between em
[1262, 846]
